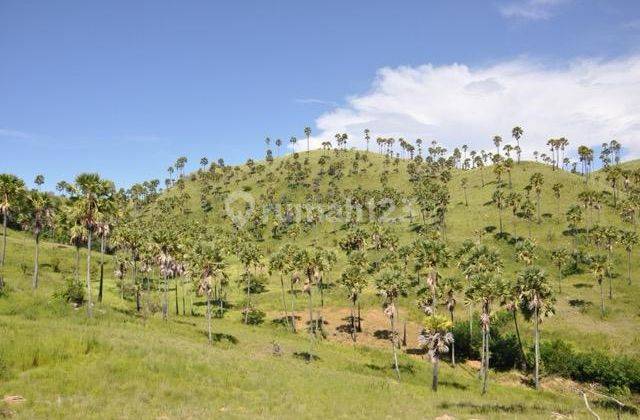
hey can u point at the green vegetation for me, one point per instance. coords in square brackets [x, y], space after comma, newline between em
[315, 284]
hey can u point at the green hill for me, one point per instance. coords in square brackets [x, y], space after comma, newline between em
[124, 363]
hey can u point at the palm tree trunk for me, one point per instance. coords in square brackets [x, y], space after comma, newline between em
[629, 267]
[4, 237]
[515, 323]
[284, 302]
[537, 349]
[36, 264]
[311, 325]
[248, 285]
[610, 280]
[293, 313]
[393, 346]
[165, 298]
[601, 300]
[177, 306]
[359, 319]
[485, 376]
[209, 316]
[77, 268]
[89, 309]
[102, 249]
[436, 365]
[453, 345]
[353, 319]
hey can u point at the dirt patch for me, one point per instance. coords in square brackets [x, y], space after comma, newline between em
[375, 328]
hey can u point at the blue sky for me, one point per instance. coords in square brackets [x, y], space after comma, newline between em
[124, 87]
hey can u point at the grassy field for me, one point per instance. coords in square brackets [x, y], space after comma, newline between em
[121, 364]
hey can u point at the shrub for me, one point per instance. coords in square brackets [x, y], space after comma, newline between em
[253, 316]
[504, 349]
[617, 373]
[72, 291]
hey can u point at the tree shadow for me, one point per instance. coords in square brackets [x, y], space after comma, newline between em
[382, 334]
[418, 351]
[306, 356]
[220, 337]
[579, 303]
[454, 385]
[583, 286]
[374, 367]
[285, 320]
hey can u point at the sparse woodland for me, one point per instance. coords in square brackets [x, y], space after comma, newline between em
[406, 279]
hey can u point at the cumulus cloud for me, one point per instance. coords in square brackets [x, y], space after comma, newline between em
[586, 101]
[531, 9]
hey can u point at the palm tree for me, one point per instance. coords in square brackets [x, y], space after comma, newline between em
[450, 286]
[307, 133]
[40, 217]
[430, 255]
[278, 144]
[90, 192]
[354, 279]
[516, 133]
[600, 268]
[499, 199]
[536, 295]
[391, 284]
[629, 240]
[206, 265]
[556, 193]
[496, 141]
[281, 261]
[536, 181]
[367, 137]
[39, 181]
[485, 287]
[560, 257]
[11, 189]
[436, 338]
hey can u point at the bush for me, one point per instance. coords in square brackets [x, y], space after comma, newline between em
[253, 316]
[617, 373]
[71, 292]
[504, 349]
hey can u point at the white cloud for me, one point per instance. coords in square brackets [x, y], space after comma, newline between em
[15, 134]
[314, 101]
[587, 101]
[531, 9]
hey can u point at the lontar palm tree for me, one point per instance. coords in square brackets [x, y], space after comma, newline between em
[537, 181]
[516, 133]
[430, 255]
[450, 286]
[307, 133]
[40, 217]
[599, 269]
[629, 239]
[354, 279]
[391, 284]
[484, 289]
[88, 196]
[436, 338]
[11, 188]
[367, 137]
[536, 297]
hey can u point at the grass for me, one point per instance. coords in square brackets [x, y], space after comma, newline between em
[120, 364]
